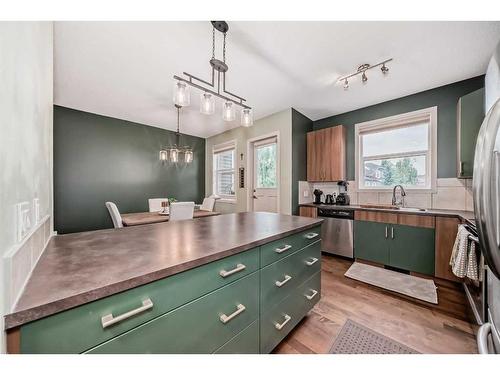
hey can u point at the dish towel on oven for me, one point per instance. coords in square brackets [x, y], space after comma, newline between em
[463, 259]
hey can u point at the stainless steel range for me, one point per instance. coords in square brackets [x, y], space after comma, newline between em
[336, 231]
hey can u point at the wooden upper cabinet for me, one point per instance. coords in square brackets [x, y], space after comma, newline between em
[326, 154]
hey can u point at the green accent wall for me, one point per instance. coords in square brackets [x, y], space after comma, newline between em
[444, 97]
[99, 159]
[301, 125]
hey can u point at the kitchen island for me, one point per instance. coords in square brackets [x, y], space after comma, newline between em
[229, 283]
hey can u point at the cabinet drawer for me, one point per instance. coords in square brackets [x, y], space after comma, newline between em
[279, 249]
[80, 329]
[196, 327]
[309, 292]
[280, 279]
[245, 342]
[276, 323]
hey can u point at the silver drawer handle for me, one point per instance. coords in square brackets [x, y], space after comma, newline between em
[239, 267]
[314, 292]
[311, 235]
[109, 320]
[280, 326]
[239, 309]
[280, 250]
[314, 260]
[279, 284]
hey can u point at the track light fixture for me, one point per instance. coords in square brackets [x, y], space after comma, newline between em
[362, 69]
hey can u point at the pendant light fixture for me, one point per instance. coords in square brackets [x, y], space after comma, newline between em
[215, 88]
[177, 153]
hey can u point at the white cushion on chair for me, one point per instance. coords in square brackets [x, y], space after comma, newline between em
[155, 204]
[115, 214]
[181, 211]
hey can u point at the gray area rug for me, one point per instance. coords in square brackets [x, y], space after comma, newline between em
[355, 338]
[416, 287]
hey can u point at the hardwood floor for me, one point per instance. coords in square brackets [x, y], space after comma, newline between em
[425, 329]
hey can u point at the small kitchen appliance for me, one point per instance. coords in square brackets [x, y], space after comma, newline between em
[343, 199]
[329, 199]
[317, 196]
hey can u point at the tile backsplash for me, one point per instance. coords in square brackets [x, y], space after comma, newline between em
[451, 194]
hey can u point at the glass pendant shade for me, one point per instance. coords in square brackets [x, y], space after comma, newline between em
[188, 156]
[182, 96]
[163, 155]
[228, 111]
[246, 117]
[207, 103]
[174, 155]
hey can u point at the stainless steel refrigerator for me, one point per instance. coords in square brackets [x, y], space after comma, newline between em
[486, 188]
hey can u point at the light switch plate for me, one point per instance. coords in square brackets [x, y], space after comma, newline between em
[23, 220]
[305, 193]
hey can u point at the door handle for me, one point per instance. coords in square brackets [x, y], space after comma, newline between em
[482, 338]
[280, 326]
[386, 234]
[310, 297]
[254, 197]
[287, 278]
[392, 233]
[239, 267]
[461, 168]
[239, 309]
[109, 320]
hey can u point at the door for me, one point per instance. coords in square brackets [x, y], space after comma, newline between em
[370, 241]
[265, 175]
[412, 248]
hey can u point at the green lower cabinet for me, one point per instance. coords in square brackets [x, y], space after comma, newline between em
[370, 241]
[195, 327]
[245, 342]
[401, 246]
[412, 249]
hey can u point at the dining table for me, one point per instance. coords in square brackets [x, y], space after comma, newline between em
[142, 218]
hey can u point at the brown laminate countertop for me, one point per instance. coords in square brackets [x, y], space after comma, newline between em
[465, 215]
[83, 267]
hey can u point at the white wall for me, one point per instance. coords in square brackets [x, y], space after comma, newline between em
[278, 122]
[26, 80]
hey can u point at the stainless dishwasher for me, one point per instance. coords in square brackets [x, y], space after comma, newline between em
[337, 231]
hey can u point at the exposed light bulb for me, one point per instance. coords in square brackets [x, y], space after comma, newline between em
[364, 78]
[384, 69]
[163, 155]
[228, 112]
[174, 155]
[188, 156]
[246, 117]
[182, 96]
[207, 103]
[346, 84]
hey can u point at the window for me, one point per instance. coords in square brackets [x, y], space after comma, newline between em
[397, 150]
[224, 170]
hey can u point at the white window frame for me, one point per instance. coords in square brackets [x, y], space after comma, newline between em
[398, 121]
[217, 149]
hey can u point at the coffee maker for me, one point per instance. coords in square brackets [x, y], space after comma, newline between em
[317, 196]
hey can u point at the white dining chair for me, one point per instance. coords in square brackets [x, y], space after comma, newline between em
[208, 204]
[115, 214]
[181, 211]
[155, 204]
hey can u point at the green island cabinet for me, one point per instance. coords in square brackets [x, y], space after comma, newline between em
[244, 303]
[405, 247]
[470, 115]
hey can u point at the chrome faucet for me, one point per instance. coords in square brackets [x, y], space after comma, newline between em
[395, 202]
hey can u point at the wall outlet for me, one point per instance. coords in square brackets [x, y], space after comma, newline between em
[305, 193]
[23, 220]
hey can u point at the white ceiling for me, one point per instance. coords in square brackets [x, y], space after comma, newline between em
[125, 69]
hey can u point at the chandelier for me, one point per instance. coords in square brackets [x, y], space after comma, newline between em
[215, 88]
[177, 152]
[362, 69]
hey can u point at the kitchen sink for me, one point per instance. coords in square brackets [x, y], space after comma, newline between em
[391, 207]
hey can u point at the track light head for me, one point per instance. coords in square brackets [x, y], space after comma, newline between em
[384, 69]
[346, 84]
[364, 78]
